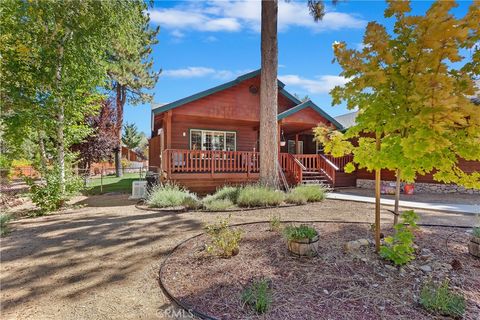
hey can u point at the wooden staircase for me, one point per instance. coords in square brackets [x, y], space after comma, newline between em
[316, 177]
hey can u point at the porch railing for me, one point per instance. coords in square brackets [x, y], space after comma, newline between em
[198, 161]
[339, 162]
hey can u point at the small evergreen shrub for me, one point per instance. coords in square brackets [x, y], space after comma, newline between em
[224, 240]
[259, 196]
[295, 198]
[441, 300]
[191, 202]
[399, 247]
[4, 219]
[275, 223]
[476, 232]
[169, 195]
[313, 193]
[258, 296]
[227, 192]
[218, 205]
[293, 233]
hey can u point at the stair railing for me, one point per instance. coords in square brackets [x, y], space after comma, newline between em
[327, 167]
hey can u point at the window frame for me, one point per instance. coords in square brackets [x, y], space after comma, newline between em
[202, 138]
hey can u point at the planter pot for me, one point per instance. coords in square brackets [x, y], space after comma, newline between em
[304, 247]
[409, 188]
[474, 246]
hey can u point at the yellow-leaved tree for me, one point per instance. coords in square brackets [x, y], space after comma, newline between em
[412, 89]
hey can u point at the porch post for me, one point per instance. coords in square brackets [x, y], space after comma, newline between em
[296, 144]
[168, 127]
[279, 135]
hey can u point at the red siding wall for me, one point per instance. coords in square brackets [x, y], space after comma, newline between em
[247, 134]
[467, 166]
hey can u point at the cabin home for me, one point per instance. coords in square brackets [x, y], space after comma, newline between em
[211, 139]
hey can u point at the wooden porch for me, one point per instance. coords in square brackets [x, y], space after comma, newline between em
[203, 171]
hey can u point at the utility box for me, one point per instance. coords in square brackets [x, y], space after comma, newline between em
[139, 189]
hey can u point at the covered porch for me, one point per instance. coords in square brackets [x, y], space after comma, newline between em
[228, 154]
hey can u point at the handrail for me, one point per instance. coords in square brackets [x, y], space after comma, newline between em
[329, 162]
[300, 163]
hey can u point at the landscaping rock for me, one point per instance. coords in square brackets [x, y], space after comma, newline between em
[426, 268]
[355, 245]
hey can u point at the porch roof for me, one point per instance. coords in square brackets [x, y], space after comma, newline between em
[309, 104]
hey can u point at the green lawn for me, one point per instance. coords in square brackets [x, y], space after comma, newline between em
[112, 183]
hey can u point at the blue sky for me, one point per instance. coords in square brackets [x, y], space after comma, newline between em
[206, 43]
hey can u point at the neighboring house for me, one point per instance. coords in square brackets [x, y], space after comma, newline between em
[212, 138]
[423, 183]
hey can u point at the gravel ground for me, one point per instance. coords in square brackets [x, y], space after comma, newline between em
[359, 283]
[100, 260]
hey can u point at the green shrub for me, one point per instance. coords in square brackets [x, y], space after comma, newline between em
[441, 300]
[258, 296]
[275, 223]
[224, 240]
[191, 202]
[218, 205]
[258, 196]
[169, 195]
[4, 219]
[399, 248]
[476, 232]
[227, 192]
[299, 232]
[313, 193]
[295, 198]
[47, 195]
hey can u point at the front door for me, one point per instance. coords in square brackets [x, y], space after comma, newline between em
[292, 149]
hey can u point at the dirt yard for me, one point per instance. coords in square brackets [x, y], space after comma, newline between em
[101, 259]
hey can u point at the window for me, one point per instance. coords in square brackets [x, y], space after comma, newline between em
[292, 149]
[213, 140]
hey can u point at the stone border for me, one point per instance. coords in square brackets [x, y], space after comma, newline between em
[421, 187]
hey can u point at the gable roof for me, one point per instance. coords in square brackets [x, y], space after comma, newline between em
[347, 120]
[199, 95]
[309, 104]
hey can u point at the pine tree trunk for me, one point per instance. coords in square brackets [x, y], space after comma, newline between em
[397, 197]
[269, 95]
[120, 102]
[377, 200]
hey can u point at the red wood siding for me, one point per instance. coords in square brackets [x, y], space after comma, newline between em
[467, 166]
[247, 134]
[154, 153]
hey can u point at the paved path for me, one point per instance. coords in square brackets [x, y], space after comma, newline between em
[449, 207]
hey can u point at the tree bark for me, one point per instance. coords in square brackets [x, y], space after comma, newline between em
[120, 103]
[377, 199]
[397, 196]
[60, 122]
[43, 153]
[269, 95]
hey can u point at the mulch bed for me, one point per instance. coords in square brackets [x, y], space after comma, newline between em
[333, 285]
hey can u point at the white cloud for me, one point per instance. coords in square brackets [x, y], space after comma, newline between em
[177, 34]
[233, 16]
[320, 84]
[199, 72]
[189, 72]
